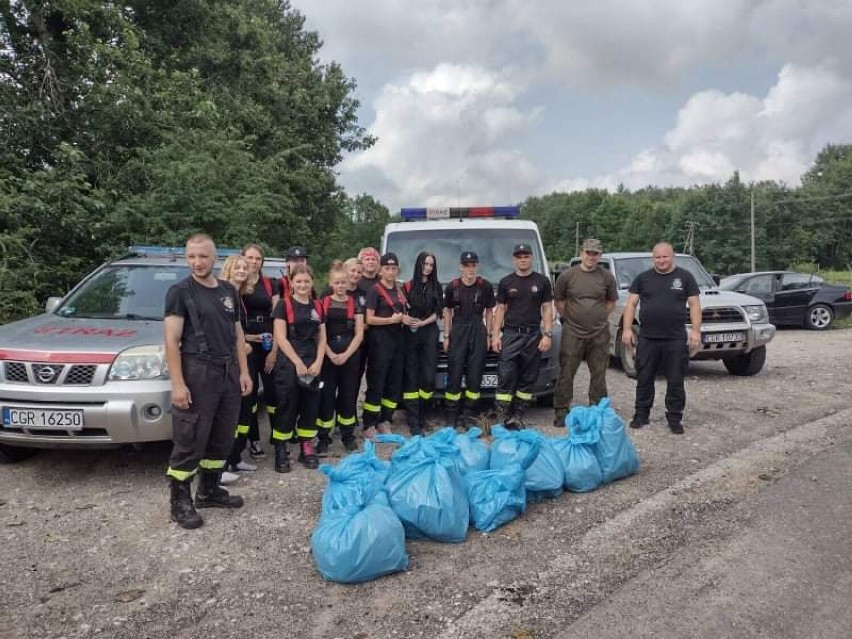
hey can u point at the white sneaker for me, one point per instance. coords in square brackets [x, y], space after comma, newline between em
[246, 467]
[228, 478]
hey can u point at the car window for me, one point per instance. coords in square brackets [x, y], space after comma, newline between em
[124, 292]
[798, 281]
[494, 247]
[758, 284]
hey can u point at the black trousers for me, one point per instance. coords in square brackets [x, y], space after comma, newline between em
[257, 363]
[203, 433]
[297, 405]
[466, 358]
[419, 364]
[517, 369]
[671, 356]
[384, 374]
[339, 395]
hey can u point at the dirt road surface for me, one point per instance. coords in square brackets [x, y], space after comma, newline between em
[87, 549]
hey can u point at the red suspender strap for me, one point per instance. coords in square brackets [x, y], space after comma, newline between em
[267, 285]
[350, 307]
[386, 296]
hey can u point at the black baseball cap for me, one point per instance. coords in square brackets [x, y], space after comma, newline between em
[388, 259]
[522, 248]
[296, 251]
[469, 256]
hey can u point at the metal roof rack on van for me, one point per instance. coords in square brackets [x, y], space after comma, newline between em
[416, 214]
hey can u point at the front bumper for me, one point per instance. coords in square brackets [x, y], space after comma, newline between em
[114, 413]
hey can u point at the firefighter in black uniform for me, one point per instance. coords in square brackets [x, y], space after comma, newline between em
[295, 255]
[386, 311]
[258, 305]
[420, 340]
[344, 320]
[209, 372]
[369, 258]
[466, 332]
[525, 315]
[299, 330]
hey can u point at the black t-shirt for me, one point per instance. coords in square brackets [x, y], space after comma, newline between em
[364, 286]
[258, 307]
[337, 321]
[469, 301]
[303, 331]
[218, 312]
[662, 302]
[423, 302]
[523, 297]
[377, 302]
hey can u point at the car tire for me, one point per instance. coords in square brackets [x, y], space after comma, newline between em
[13, 454]
[747, 364]
[819, 317]
[627, 356]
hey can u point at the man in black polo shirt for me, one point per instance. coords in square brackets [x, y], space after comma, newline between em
[207, 363]
[524, 308]
[664, 291]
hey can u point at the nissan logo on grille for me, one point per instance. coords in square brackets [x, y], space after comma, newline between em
[47, 374]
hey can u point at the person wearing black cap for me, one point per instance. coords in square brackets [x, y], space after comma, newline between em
[585, 295]
[294, 255]
[420, 337]
[386, 312]
[525, 316]
[466, 300]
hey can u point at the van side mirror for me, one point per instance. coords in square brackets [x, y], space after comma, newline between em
[715, 277]
[52, 304]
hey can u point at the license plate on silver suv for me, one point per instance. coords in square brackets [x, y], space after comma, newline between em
[719, 338]
[41, 418]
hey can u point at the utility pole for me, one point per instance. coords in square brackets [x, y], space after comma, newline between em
[690, 237]
[577, 239]
[753, 269]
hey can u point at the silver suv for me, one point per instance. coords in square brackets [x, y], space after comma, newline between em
[735, 328]
[91, 371]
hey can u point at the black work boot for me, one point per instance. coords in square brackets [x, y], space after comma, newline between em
[675, 421]
[412, 418]
[323, 441]
[282, 458]
[307, 456]
[211, 495]
[559, 416]
[504, 415]
[347, 436]
[470, 415]
[518, 418]
[639, 420]
[421, 414]
[182, 510]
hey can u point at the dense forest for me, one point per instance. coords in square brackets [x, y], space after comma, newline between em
[143, 121]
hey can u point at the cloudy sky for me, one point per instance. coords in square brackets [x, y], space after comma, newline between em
[486, 102]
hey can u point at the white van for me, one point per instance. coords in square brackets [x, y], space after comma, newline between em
[491, 232]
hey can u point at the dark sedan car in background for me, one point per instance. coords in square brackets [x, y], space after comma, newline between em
[794, 299]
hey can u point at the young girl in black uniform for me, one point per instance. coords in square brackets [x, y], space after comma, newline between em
[386, 309]
[344, 318]
[259, 300]
[421, 340]
[299, 330]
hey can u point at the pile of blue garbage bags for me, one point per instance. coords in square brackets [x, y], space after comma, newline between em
[436, 487]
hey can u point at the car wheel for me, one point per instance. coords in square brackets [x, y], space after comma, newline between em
[747, 364]
[819, 317]
[627, 356]
[12, 454]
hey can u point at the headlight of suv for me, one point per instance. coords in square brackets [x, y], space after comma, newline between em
[756, 313]
[140, 362]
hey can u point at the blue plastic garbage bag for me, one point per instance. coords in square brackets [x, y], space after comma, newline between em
[474, 453]
[359, 543]
[354, 481]
[614, 450]
[496, 496]
[577, 451]
[412, 450]
[429, 498]
[533, 451]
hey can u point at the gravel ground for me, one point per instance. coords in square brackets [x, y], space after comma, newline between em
[87, 548]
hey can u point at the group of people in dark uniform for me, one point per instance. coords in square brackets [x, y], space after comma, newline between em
[311, 351]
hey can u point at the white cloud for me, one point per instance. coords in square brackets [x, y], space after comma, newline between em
[446, 134]
[770, 138]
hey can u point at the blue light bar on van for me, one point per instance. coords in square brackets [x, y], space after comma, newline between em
[173, 250]
[411, 214]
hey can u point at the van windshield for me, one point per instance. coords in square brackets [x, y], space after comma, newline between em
[493, 246]
[124, 292]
